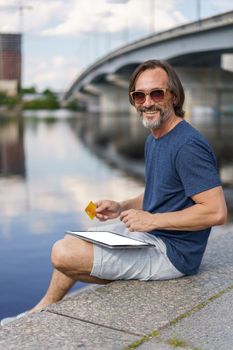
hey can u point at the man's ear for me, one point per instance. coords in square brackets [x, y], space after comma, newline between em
[174, 99]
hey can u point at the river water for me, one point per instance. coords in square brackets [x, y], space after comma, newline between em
[51, 166]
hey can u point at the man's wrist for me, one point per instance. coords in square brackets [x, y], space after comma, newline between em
[123, 206]
[156, 221]
[133, 203]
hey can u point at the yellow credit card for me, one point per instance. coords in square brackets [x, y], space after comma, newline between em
[91, 210]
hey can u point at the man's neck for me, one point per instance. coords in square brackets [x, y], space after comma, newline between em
[167, 126]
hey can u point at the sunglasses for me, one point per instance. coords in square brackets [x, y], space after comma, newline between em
[157, 95]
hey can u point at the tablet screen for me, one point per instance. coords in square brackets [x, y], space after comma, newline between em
[108, 238]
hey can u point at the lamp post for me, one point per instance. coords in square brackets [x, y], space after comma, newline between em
[198, 4]
[152, 16]
[21, 9]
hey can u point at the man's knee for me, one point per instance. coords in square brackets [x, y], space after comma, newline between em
[59, 254]
[72, 254]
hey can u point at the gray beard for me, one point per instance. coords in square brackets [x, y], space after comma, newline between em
[155, 124]
[152, 124]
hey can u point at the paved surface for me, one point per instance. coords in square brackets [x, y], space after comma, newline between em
[190, 313]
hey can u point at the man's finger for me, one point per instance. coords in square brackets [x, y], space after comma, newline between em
[125, 220]
[124, 214]
[102, 207]
[102, 217]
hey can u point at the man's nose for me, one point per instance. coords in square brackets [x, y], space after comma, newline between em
[148, 101]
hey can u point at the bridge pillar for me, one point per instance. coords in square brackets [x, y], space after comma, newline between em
[87, 100]
[207, 92]
[227, 62]
[112, 99]
[91, 99]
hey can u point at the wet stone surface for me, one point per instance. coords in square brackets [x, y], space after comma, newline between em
[210, 328]
[49, 331]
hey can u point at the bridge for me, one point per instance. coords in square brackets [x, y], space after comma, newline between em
[201, 52]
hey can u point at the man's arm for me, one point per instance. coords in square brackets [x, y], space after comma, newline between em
[209, 210]
[106, 209]
[134, 203]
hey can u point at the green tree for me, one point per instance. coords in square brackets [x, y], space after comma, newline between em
[28, 90]
[73, 106]
[9, 101]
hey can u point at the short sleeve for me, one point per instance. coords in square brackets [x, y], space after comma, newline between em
[196, 166]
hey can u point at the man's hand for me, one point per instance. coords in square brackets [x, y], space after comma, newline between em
[138, 220]
[106, 210]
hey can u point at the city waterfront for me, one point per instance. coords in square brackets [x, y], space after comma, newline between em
[51, 166]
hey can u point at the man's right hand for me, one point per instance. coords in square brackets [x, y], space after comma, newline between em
[106, 210]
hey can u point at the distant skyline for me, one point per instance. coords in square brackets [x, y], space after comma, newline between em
[63, 37]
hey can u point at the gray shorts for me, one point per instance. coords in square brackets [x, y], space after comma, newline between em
[137, 263]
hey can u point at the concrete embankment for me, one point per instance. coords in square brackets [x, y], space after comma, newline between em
[191, 312]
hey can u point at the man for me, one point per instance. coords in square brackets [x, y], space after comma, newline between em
[183, 198]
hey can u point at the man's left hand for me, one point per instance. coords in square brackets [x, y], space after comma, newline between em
[138, 220]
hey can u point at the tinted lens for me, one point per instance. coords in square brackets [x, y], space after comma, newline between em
[138, 96]
[157, 95]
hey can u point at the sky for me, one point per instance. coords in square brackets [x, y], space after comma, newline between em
[61, 38]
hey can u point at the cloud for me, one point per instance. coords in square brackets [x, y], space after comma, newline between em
[36, 15]
[105, 16]
[117, 1]
[9, 18]
[74, 17]
[57, 71]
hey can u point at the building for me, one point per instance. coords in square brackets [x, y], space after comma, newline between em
[10, 63]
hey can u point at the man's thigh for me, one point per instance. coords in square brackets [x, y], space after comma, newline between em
[138, 263]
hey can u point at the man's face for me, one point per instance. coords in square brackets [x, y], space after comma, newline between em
[154, 114]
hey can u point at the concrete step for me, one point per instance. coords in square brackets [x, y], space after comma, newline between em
[147, 315]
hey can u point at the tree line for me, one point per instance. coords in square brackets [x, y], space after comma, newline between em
[45, 100]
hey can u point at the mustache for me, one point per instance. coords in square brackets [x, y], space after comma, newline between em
[150, 109]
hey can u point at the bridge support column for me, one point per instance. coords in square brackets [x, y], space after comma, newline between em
[87, 101]
[208, 91]
[113, 99]
[227, 62]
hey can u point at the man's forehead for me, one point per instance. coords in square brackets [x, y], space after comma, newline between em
[156, 76]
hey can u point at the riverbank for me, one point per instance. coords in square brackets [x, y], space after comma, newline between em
[189, 313]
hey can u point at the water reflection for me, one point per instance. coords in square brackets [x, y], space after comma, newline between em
[51, 167]
[60, 176]
[11, 147]
[113, 136]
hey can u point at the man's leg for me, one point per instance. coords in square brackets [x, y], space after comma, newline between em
[72, 259]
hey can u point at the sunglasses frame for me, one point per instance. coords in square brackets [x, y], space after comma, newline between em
[148, 93]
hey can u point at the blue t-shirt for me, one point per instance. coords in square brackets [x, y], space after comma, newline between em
[179, 165]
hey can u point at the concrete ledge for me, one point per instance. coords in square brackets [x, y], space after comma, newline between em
[144, 315]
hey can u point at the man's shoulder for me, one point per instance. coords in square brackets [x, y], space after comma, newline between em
[189, 134]
[183, 134]
[189, 130]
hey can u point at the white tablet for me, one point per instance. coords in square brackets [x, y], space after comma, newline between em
[110, 239]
